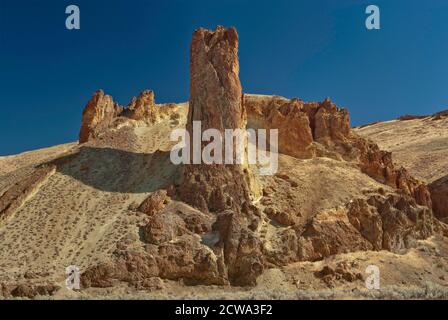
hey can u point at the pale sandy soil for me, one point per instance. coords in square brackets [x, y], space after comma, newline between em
[420, 145]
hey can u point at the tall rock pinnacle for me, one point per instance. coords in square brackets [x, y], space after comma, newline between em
[216, 100]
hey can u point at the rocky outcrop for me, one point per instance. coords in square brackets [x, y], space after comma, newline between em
[288, 116]
[321, 129]
[343, 271]
[175, 221]
[228, 190]
[299, 123]
[394, 222]
[154, 203]
[97, 116]
[378, 164]
[101, 113]
[240, 246]
[216, 101]
[391, 222]
[221, 237]
[329, 123]
[142, 108]
[184, 259]
[330, 233]
[439, 196]
[26, 290]
[175, 248]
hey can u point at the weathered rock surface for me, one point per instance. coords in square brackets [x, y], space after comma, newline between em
[154, 203]
[26, 290]
[394, 222]
[142, 108]
[342, 271]
[101, 113]
[439, 196]
[97, 116]
[174, 250]
[378, 164]
[321, 129]
[218, 234]
[216, 101]
[299, 123]
[175, 221]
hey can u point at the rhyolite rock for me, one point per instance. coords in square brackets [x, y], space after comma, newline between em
[216, 101]
[218, 233]
[101, 113]
[439, 196]
[97, 116]
[142, 107]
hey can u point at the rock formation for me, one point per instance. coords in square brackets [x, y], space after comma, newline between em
[97, 116]
[392, 222]
[142, 108]
[219, 235]
[216, 101]
[14, 197]
[439, 196]
[101, 113]
[321, 129]
[299, 123]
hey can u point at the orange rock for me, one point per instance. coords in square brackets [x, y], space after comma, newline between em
[216, 101]
[97, 116]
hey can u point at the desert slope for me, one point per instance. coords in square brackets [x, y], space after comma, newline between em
[421, 145]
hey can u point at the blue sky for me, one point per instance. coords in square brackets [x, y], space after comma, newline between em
[306, 49]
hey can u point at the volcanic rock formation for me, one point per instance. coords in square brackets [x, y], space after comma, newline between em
[216, 101]
[102, 113]
[336, 192]
[321, 129]
[237, 241]
[228, 190]
[97, 116]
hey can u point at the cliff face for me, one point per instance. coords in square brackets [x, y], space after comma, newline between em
[299, 123]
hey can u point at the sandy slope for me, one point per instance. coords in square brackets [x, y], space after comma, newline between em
[420, 145]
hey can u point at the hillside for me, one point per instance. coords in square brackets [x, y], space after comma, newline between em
[139, 226]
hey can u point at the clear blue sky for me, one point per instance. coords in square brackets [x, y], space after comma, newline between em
[307, 49]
